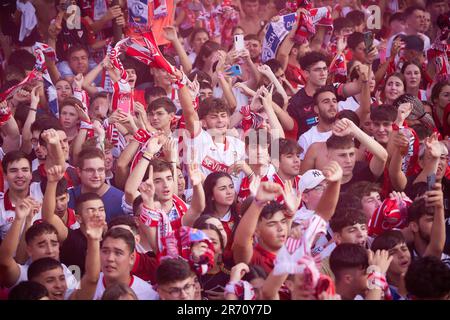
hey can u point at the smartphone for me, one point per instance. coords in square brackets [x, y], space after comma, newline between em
[235, 70]
[431, 180]
[368, 40]
[124, 102]
[239, 42]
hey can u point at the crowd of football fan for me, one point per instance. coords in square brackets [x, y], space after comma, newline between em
[225, 149]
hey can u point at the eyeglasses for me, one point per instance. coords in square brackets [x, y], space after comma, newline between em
[176, 292]
[92, 171]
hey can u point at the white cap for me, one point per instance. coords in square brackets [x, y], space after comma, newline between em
[311, 179]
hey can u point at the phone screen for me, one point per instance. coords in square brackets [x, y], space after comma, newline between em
[368, 40]
[239, 42]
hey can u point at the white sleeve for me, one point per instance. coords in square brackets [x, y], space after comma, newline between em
[304, 145]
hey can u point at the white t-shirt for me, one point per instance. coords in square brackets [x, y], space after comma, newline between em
[311, 136]
[72, 282]
[7, 213]
[216, 156]
[142, 289]
[425, 38]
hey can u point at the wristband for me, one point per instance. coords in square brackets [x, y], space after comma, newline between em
[376, 279]
[259, 203]
[147, 155]
[251, 175]
[230, 287]
[86, 125]
[32, 109]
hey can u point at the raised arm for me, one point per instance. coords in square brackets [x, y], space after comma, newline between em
[122, 170]
[275, 126]
[198, 197]
[11, 133]
[243, 240]
[345, 126]
[31, 117]
[189, 113]
[333, 174]
[54, 175]
[435, 200]
[138, 173]
[9, 269]
[268, 73]
[399, 143]
[364, 72]
[433, 150]
[170, 33]
[94, 231]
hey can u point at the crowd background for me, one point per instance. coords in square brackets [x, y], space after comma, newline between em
[235, 149]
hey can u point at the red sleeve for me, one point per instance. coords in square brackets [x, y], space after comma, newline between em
[292, 134]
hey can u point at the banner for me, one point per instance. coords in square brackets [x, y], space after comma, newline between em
[276, 32]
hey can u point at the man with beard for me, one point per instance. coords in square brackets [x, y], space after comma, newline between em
[315, 66]
[427, 223]
[325, 105]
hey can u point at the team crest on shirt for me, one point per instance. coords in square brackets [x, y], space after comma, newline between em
[214, 165]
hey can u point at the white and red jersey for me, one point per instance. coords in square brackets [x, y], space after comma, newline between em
[7, 213]
[142, 289]
[244, 190]
[422, 95]
[215, 157]
[313, 226]
[276, 178]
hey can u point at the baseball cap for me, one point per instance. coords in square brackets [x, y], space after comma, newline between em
[311, 179]
[413, 42]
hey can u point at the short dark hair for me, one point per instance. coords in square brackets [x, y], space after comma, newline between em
[75, 48]
[202, 76]
[341, 23]
[89, 153]
[346, 217]
[117, 290]
[195, 31]
[84, 197]
[70, 101]
[28, 290]
[161, 165]
[363, 188]
[319, 91]
[45, 122]
[256, 271]
[249, 37]
[212, 105]
[154, 92]
[417, 210]
[22, 59]
[355, 39]
[437, 88]
[129, 63]
[13, 156]
[422, 130]
[348, 114]
[42, 265]
[348, 256]
[387, 240]
[38, 229]
[410, 10]
[61, 187]
[125, 220]
[101, 94]
[121, 233]
[172, 270]
[274, 65]
[357, 17]
[270, 209]
[312, 58]
[428, 278]
[285, 146]
[337, 142]
[397, 16]
[383, 112]
[163, 102]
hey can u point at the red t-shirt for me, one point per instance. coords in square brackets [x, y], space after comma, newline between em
[145, 267]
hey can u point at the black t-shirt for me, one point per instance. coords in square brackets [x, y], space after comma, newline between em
[301, 109]
[68, 38]
[361, 172]
[413, 190]
[73, 249]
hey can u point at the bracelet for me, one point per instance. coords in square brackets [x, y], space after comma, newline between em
[259, 203]
[251, 175]
[31, 109]
[148, 154]
[148, 159]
